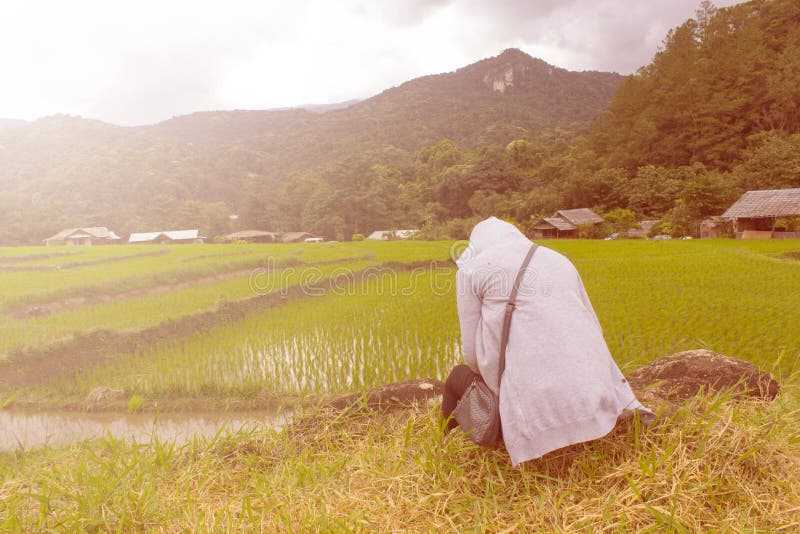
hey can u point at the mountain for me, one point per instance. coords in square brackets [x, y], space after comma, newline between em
[67, 171]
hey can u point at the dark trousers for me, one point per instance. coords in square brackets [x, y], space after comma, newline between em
[457, 383]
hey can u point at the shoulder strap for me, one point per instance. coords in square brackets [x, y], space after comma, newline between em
[510, 308]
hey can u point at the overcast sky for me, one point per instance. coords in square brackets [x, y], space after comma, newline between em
[145, 61]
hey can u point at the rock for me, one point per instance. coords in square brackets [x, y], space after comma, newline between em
[100, 396]
[684, 374]
[393, 396]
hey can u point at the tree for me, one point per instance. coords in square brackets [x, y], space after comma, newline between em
[621, 220]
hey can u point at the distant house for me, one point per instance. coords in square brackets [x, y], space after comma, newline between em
[253, 236]
[296, 237]
[94, 235]
[564, 224]
[169, 236]
[757, 213]
[553, 228]
[579, 216]
[388, 235]
[643, 230]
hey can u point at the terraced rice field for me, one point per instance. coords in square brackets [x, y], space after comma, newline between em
[381, 325]
[198, 326]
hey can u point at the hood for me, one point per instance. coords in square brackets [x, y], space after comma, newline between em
[488, 234]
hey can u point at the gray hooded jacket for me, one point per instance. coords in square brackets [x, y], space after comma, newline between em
[561, 385]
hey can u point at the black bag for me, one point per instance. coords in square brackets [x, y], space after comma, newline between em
[478, 410]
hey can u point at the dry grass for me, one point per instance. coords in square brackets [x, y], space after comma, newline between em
[711, 465]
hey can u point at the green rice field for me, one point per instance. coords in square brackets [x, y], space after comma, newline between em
[653, 299]
[346, 317]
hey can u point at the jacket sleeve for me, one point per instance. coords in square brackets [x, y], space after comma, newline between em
[469, 315]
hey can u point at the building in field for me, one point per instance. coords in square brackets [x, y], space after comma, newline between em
[391, 235]
[643, 230]
[553, 228]
[253, 236]
[296, 237]
[166, 237]
[93, 235]
[564, 224]
[770, 213]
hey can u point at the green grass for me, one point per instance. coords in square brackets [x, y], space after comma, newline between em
[653, 299]
[712, 466]
[180, 265]
[322, 344]
[709, 465]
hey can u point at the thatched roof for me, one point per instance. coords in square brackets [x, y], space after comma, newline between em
[579, 216]
[557, 223]
[766, 203]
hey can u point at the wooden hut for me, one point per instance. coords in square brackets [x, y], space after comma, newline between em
[757, 213]
[643, 229]
[296, 237]
[553, 228]
[253, 236]
[93, 235]
[564, 224]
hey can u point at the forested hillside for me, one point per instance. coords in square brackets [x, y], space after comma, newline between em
[716, 113]
[191, 171]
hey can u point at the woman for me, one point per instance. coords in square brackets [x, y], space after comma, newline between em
[560, 384]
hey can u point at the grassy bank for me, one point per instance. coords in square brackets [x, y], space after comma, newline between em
[711, 466]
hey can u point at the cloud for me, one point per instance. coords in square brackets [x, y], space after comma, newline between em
[143, 62]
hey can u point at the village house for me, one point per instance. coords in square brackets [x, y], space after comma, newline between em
[764, 214]
[389, 235]
[643, 231]
[93, 235]
[564, 224]
[166, 237]
[252, 236]
[296, 237]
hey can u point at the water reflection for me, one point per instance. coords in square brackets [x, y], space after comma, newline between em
[25, 430]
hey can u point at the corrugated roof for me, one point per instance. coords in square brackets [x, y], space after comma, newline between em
[247, 234]
[378, 234]
[766, 203]
[579, 216]
[289, 237]
[643, 230]
[174, 235]
[100, 232]
[558, 223]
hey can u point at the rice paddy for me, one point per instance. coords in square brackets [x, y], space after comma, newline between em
[713, 465]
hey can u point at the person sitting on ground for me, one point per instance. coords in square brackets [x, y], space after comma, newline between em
[560, 385]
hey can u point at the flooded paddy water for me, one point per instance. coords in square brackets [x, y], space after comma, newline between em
[29, 429]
